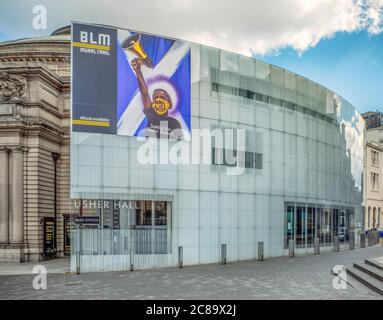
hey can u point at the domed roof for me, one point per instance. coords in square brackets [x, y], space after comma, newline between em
[62, 31]
[51, 38]
[60, 35]
[55, 46]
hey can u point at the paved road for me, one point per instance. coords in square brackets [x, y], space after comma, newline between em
[305, 277]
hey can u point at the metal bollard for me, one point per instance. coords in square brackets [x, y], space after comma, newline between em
[78, 252]
[316, 246]
[351, 242]
[223, 253]
[260, 250]
[131, 260]
[291, 248]
[180, 257]
[77, 262]
[336, 244]
[362, 240]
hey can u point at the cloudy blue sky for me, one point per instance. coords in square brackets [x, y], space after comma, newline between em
[337, 43]
[351, 64]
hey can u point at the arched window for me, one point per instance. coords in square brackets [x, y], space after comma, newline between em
[379, 217]
[374, 218]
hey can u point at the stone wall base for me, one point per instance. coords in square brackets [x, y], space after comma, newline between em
[12, 253]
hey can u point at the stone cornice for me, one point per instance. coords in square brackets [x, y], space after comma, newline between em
[44, 74]
[4, 149]
[35, 57]
[13, 148]
[45, 106]
[17, 148]
[25, 124]
[40, 105]
[374, 146]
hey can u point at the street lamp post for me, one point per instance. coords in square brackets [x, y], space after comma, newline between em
[55, 157]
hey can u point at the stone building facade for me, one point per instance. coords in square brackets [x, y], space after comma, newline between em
[34, 123]
[373, 186]
[374, 178]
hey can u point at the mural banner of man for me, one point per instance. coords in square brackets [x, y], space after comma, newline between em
[153, 86]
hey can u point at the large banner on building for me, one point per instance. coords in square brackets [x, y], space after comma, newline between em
[129, 83]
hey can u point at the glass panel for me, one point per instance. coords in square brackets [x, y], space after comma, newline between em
[301, 226]
[335, 222]
[328, 229]
[320, 224]
[289, 225]
[342, 230]
[349, 222]
[142, 215]
[351, 227]
[310, 226]
[160, 213]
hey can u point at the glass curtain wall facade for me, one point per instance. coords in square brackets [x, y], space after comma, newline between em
[305, 146]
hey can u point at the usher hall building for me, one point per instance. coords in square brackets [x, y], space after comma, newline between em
[301, 179]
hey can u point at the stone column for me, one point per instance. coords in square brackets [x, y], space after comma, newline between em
[17, 198]
[4, 209]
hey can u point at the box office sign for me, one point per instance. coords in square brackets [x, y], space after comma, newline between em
[86, 220]
[129, 83]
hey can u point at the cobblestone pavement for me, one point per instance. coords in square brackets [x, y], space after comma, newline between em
[60, 265]
[305, 277]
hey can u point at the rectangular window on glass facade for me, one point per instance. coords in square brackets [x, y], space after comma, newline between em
[252, 95]
[225, 157]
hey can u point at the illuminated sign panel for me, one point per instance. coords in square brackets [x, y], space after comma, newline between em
[130, 83]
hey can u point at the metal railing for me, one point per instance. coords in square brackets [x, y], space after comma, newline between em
[112, 250]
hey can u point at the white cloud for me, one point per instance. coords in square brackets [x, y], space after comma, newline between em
[243, 26]
[375, 16]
